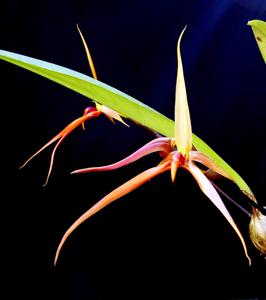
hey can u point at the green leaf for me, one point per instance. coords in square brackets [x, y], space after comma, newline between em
[122, 103]
[259, 30]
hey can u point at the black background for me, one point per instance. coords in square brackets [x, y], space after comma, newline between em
[163, 240]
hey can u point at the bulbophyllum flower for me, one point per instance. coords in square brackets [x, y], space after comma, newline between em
[89, 113]
[176, 152]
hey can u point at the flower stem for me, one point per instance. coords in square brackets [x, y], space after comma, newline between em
[230, 199]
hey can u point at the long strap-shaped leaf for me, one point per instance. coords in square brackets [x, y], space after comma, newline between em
[122, 103]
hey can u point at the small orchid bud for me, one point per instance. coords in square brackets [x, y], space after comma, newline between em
[257, 230]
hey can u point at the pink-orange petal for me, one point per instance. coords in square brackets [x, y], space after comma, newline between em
[207, 162]
[212, 194]
[174, 167]
[111, 114]
[60, 136]
[119, 192]
[156, 145]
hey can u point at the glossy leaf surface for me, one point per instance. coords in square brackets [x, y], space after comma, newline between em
[120, 102]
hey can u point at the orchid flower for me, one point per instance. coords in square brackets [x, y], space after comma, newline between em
[176, 152]
[108, 112]
[89, 113]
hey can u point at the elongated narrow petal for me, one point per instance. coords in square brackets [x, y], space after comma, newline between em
[183, 131]
[212, 194]
[60, 136]
[91, 64]
[54, 139]
[174, 165]
[215, 170]
[119, 192]
[111, 114]
[156, 145]
[69, 129]
[207, 162]
[52, 158]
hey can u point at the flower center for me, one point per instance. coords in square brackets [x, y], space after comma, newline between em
[89, 109]
[179, 159]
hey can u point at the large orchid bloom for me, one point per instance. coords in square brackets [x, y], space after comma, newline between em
[176, 152]
[89, 113]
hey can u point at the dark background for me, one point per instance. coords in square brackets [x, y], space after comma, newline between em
[163, 240]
